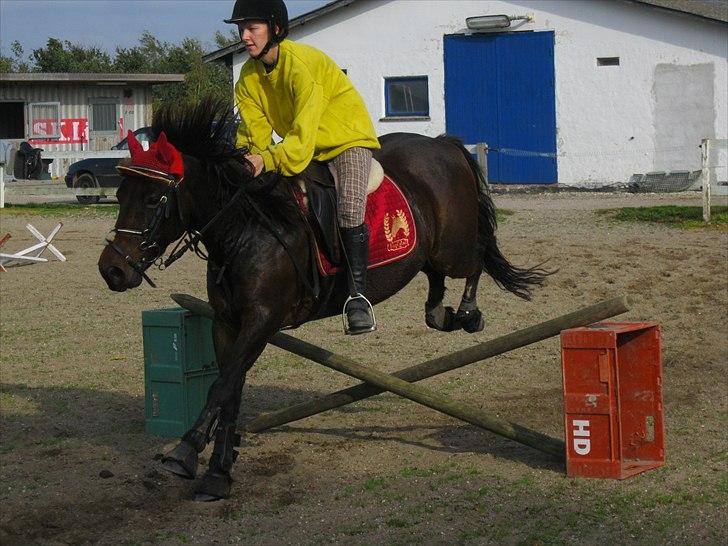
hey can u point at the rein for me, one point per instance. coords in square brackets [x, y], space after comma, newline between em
[191, 238]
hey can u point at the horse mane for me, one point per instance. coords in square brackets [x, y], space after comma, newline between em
[206, 131]
[199, 130]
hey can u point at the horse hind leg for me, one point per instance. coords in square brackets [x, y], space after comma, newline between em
[468, 315]
[438, 316]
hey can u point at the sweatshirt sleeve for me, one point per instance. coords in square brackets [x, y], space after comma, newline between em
[254, 131]
[294, 152]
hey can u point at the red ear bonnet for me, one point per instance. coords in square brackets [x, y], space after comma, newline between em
[161, 157]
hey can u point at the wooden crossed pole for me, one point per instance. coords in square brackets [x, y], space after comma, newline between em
[401, 382]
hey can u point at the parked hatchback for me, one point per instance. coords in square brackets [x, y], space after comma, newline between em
[100, 172]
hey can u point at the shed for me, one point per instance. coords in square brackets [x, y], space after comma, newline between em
[580, 92]
[75, 112]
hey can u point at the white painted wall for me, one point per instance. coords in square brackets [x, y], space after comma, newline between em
[649, 113]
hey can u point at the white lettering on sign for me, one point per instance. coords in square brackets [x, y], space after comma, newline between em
[582, 443]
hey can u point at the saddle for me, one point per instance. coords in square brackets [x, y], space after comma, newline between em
[317, 184]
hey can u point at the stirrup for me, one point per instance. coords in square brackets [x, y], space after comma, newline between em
[370, 311]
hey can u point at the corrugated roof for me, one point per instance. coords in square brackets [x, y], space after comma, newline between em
[715, 10]
[62, 77]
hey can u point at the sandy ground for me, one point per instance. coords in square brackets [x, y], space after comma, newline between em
[76, 466]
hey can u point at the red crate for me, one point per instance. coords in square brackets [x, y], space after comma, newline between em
[613, 415]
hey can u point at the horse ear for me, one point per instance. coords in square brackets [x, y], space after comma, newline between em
[133, 143]
[162, 140]
[162, 147]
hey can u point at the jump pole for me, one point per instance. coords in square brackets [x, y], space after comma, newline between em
[377, 382]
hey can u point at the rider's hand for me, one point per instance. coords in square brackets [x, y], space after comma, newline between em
[258, 163]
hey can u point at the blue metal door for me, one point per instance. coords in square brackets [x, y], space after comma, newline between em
[499, 89]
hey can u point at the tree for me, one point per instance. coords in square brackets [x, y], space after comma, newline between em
[149, 56]
[64, 56]
[201, 79]
[16, 62]
[224, 40]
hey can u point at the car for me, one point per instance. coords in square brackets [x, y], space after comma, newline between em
[100, 172]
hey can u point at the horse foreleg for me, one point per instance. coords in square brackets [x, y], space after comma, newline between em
[217, 480]
[182, 460]
[436, 315]
[469, 316]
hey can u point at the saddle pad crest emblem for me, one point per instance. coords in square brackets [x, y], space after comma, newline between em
[395, 224]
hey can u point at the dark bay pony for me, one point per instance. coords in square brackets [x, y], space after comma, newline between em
[259, 272]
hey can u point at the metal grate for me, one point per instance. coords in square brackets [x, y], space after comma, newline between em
[662, 182]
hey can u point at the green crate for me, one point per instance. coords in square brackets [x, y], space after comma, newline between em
[179, 367]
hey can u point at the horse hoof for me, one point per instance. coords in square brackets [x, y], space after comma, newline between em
[442, 319]
[215, 485]
[471, 321]
[181, 461]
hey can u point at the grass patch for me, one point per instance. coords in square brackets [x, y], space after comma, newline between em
[105, 210]
[375, 483]
[682, 217]
[502, 214]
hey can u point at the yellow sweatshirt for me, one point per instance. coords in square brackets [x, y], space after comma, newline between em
[308, 101]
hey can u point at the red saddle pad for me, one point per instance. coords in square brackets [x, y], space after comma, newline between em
[392, 233]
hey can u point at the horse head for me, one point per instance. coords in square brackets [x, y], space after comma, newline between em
[150, 214]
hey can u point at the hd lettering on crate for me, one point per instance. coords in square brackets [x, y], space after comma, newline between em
[580, 433]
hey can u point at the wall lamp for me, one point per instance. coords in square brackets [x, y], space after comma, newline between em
[491, 22]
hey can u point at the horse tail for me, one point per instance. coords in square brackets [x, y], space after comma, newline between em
[519, 281]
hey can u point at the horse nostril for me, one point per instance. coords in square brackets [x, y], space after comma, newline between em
[115, 278]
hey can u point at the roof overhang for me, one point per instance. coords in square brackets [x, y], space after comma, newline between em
[90, 78]
[712, 10]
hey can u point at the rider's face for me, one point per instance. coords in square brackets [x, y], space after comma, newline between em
[254, 35]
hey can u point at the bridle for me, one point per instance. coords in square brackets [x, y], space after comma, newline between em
[150, 234]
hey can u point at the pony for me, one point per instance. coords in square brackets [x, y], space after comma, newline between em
[261, 273]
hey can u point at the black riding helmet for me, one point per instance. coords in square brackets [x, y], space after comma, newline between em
[273, 12]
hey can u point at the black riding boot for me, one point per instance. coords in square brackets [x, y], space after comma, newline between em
[359, 313]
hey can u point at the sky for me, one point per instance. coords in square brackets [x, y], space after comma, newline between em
[111, 23]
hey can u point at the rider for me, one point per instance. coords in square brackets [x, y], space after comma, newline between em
[301, 94]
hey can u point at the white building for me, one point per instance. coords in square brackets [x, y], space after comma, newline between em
[584, 92]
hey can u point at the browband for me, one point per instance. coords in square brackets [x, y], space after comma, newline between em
[146, 172]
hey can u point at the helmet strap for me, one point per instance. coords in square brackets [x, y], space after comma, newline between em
[266, 49]
[272, 40]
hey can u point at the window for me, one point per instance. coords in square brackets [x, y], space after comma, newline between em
[103, 117]
[12, 120]
[45, 120]
[607, 61]
[406, 97]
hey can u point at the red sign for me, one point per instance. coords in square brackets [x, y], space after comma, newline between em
[73, 131]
